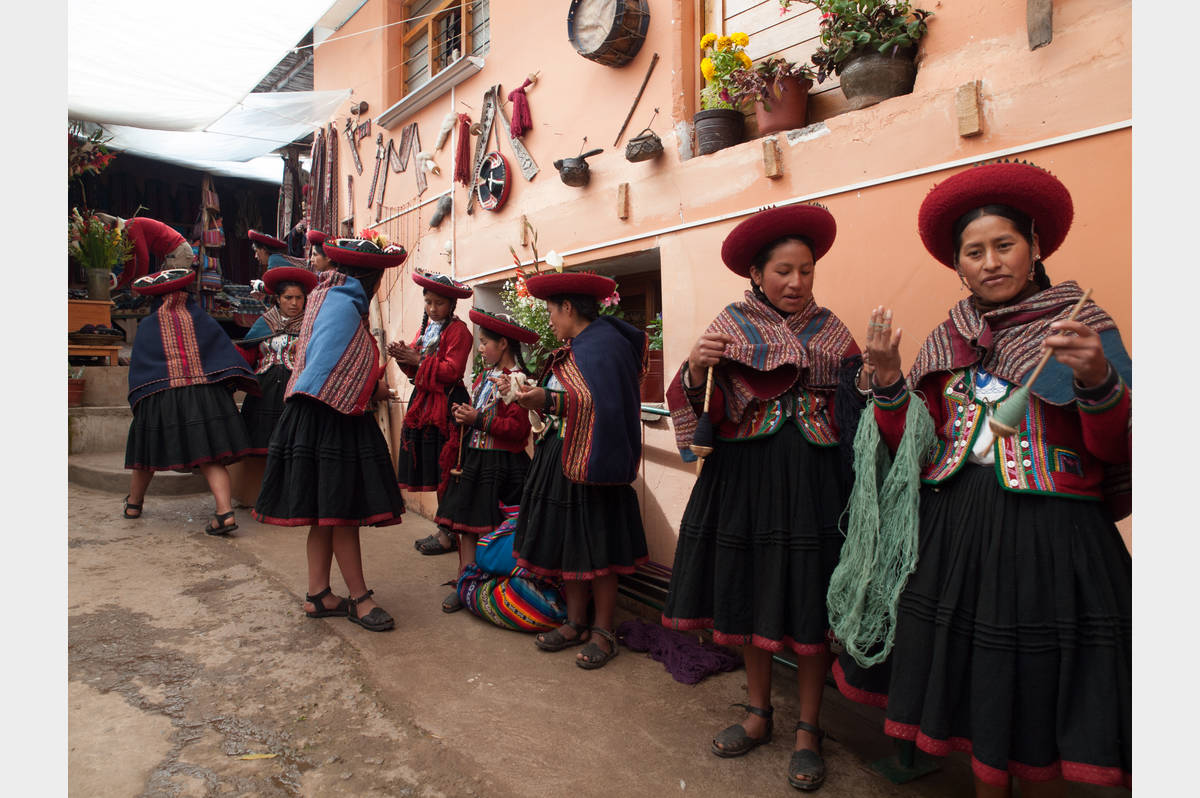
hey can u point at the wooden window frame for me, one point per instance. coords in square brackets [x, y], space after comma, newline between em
[425, 29]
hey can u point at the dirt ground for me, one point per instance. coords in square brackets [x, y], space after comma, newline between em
[190, 659]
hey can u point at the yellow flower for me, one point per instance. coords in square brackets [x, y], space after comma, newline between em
[724, 43]
[707, 68]
[740, 39]
[707, 40]
[745, 59]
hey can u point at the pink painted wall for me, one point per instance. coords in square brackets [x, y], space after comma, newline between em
[1079, 83]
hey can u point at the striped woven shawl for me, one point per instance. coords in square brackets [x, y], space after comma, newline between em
[1007, 342]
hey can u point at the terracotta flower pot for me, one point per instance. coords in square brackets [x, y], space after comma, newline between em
[718, 128]
[788, 110]
[75, 391]
[873, 77]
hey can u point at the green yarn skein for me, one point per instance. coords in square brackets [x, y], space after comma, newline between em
[880, 551]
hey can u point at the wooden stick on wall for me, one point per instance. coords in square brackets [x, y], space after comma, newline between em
[623, 201]
[1039, 22]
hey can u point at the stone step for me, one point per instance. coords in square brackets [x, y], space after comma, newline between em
[106, 386]
[106, 471]
[97, 429]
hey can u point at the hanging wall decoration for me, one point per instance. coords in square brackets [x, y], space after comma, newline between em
[521, 120]
[645, 146]
[353, 142]
[607, 32]
[379, 153]
[529, 167]
[494, 182]
[574, 171]
[440, 211]
[444, 133]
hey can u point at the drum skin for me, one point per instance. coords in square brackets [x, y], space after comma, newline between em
[609, 32]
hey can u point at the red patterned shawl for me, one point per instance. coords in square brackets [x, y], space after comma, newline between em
[769, 353]
[1007, 342]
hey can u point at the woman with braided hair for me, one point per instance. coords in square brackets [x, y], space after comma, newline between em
[493, 459]
[1012, 637]
[759, 538]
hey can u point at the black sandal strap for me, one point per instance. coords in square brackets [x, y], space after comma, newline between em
[130, 505]
[753, 710]
[222, 516]
[319, 596]
[363, 597]
[579, 628]
[811, 729]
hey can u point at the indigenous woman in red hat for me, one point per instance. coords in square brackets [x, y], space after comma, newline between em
[1012, 633]
[579, 517]
[759, 537]
[269, 346]
[182, 375]
[317, 258]
[494, 462]
[435, 362]
[268, 250]
[328, 466]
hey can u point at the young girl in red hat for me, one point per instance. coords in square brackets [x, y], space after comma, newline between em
[1012, 638]
[435, 362]
[759, 538]
[493, 457]
[580, 520]
[328, 466]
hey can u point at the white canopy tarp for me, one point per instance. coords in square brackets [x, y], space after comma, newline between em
[171, 65]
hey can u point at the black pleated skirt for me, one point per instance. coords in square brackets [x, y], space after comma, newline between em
[489, 478]
[572, 531]
[417, 466]
[758, 542]
[1013, 637]
[261, 413]
[328, 469]
[181, 428]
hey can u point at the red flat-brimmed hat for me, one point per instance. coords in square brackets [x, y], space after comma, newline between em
[285, 274]
[442, 285]
[746, 240]
[500, 326]
[264, 240]
[1021, 185]
[363, 254]
[548, 284]
[164, 282]
[315, 237]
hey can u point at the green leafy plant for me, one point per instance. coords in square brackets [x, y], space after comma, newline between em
[654, 329]
[765, 81]
[852, 27]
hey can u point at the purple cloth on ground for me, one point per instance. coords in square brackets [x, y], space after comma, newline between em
[687, 660]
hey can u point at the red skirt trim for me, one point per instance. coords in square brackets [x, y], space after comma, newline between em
[758, 641]
[857, 693]
[456, 527]
[1071, 771]
[579, 576]
[225, 458]
[380, 519]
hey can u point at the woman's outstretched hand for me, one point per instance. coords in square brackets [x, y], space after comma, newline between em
[882, 348]
[1078, 347]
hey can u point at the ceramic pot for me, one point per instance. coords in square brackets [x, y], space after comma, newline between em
[788, 110]
[873, 77]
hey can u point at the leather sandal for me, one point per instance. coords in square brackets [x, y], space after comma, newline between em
[452, 603]
[431, 545]
[221, 528]
[555, 640]
[130, 506]
[734, 741]
[340, 611]
[377, 620]
[807, 762]
[595, 657]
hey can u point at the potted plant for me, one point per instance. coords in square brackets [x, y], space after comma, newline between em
[719, 123]
[779, 89]
[870, 44]
[98, 246]
[75, 385]
[653, 387]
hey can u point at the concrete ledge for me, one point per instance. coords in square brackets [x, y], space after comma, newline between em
[97, 429]
[106, 386]
[106, 471]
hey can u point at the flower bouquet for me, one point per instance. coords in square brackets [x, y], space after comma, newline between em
[95, 243]
[722, 55]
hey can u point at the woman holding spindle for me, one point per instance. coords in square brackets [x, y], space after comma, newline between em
[1012, 633]
[780, 382]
